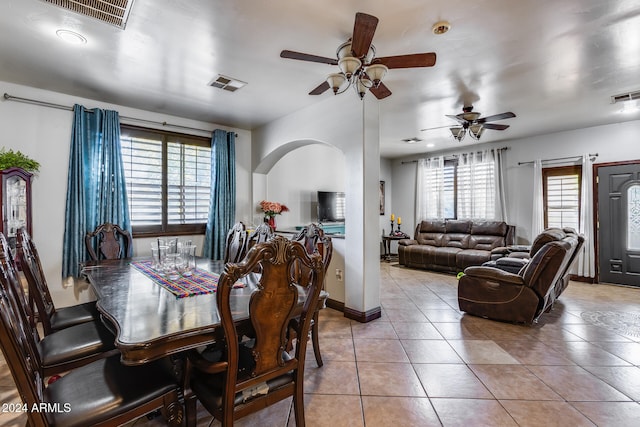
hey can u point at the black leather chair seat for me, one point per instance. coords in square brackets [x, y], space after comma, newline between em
[106, 388]
[75, 343]
[65, 317]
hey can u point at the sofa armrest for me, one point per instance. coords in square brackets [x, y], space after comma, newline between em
[407, 242]
[492, 273]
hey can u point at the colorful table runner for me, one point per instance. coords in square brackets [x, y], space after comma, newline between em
[199, 283]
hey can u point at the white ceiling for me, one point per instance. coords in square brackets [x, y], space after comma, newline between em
[555, 64]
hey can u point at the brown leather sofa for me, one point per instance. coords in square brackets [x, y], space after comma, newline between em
[453, 245]
[521, 298]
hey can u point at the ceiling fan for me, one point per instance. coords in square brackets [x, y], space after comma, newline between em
[471, 120]
[358, 64]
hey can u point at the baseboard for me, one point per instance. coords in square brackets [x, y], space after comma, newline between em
[363, 317]
[582, 279]
[336, 305]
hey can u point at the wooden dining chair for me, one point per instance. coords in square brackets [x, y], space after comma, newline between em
[236, 244]
[108, 241]
[40, 300]
[262, 233]
[101, 393]
[244, 376]
[314, 240]
[61, 350]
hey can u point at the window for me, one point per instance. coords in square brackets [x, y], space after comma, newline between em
[168, 178]
[463, 188]
[561, 195]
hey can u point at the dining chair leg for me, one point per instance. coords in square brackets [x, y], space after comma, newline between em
[314, 339]
[190, 408]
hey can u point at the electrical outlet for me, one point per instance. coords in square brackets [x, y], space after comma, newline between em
[339, 274]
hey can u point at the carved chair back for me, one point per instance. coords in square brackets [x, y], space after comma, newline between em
[108, 241]
[236, 245]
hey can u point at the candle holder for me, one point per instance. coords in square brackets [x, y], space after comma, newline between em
[391, 230]
[399, 232]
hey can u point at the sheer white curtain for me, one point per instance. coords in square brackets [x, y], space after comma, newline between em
[537, 219]
[586, 258]
[430, 188]
[477, 185]
[501, 205]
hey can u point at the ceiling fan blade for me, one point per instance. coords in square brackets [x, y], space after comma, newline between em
[381, 91]
[363, 31]
[494, 126]
[415, 60]
[306, 57]
[322, 87]
[437, 127]
[456, 118]
[502, 116]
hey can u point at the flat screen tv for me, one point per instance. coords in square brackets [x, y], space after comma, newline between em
[331, 206]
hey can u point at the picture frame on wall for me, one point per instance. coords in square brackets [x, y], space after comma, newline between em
[381, 197]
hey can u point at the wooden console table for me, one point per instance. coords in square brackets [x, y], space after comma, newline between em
[386, 242]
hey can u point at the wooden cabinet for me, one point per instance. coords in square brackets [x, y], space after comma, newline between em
[15, 198]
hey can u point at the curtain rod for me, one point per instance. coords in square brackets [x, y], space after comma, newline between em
[593, 156]
[450, 157]
[65, 107]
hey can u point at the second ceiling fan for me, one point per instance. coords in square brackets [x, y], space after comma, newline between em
[470, 120]
[359, 67]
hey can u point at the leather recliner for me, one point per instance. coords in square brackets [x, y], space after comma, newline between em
[521, 298]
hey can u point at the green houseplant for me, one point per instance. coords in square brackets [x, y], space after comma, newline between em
[16, 159]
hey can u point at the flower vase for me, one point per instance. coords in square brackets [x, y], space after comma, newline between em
[271, 220]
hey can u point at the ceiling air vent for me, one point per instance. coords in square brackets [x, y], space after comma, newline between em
[227, 83]
[631, 96]
[114, 12]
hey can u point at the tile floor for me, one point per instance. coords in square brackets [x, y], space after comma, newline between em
[426, 364]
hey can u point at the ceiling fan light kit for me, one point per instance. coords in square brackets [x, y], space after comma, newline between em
[476, 125]
[359, 67]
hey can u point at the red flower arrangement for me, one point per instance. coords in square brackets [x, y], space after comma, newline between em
[272, 209]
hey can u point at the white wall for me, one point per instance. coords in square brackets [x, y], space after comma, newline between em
[617, 142]
[44, 134]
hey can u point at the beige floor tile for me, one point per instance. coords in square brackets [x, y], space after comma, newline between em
[513, 382]
[398, 412]
[533, 352]
[625, 379]
[575, 384]
[617, 414]
[374, 329]
[416, 331]
[451, 380]
[471, 412]
[334, 377]
[339, 349]
[627, 351]
[533, 413]
[323, 410]
[460, 331]
[378, 350]
[334, 328]
[430, 351]
[479, 352]
[389, 379]
[406, 314]
[446, 315]
[596, 333]
[587, 354]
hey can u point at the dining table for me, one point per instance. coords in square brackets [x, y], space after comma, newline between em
[148, 319]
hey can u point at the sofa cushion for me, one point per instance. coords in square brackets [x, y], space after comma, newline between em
[485, 243]
[458, 226]
[548, 235]
[445, 256]
[432, 226]
[430, 239]
[495, 228]
[456, 240]
[469, 257]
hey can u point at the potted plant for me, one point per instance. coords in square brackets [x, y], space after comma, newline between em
[16, 159]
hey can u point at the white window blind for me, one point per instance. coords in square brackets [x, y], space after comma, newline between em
[563, 200]
[168, 180]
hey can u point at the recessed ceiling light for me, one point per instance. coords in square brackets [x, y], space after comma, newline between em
[71, 37]
[431, 145]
